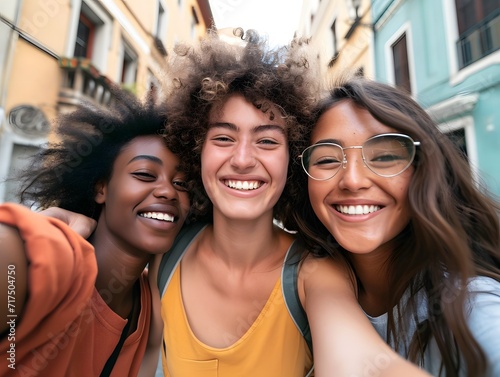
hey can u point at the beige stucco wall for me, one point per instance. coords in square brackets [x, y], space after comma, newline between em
[34, 80]
[47, 21]
[356, 51]
[46, 30]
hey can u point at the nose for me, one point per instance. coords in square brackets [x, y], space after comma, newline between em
[243, 156]
[165, 190]
[354, 175]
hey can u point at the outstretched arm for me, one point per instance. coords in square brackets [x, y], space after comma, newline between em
[344, 341]
[13, 277]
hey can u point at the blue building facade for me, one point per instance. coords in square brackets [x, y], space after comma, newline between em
[446, 53]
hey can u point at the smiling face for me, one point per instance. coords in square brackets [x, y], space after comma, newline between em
[362, 210]
[244, 160]
[145, 201]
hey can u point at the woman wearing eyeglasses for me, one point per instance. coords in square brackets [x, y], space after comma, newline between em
[392, 196]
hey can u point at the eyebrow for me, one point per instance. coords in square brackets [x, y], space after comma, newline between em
[256, 129]
[146, 157]
[334, 141]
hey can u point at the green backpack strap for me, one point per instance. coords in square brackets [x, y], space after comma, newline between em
[169, 262]
[289, 275]
[173, 257]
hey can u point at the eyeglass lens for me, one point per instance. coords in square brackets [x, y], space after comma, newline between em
[385, 155]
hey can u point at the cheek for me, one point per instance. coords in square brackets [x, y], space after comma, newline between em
[403, 213]
[280, 172]
[184, 202]
[317, 193]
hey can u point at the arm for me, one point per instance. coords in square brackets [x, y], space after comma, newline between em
[55, 274]
[80, 224]
[13, 276]
[344, 341]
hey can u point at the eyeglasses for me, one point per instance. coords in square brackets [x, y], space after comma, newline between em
[387, 155]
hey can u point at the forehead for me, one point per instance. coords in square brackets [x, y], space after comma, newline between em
[348, 123]
[238, 110]
[150, 145]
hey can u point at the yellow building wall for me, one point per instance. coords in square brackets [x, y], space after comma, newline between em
[353, 52]
[34, 80]
[46, 21]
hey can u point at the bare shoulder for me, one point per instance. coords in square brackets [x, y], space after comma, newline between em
[13, 270]
[316, 270]
[320, 276]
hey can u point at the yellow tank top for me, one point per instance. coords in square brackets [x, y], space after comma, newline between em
[272, 346]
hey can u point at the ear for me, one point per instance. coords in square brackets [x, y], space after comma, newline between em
[101, 189]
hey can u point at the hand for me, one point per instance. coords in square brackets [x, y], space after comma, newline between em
[81, 224]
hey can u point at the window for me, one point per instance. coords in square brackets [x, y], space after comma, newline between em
[128, 67]
[479, 29]
[194, 22]
[160, 31]
[161, 22]
[90, 33]
[461, 132]
[334, 38]
[400, 60]
[335, 54]
[84, 37]
[458, 138]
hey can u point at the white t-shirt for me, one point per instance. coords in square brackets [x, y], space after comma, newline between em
[483, 318]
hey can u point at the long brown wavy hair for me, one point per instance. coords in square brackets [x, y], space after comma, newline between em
[201, 77]
[453, 233]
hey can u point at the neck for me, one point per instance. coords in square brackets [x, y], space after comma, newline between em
[118, 272]
[372, 272]
[247, 243]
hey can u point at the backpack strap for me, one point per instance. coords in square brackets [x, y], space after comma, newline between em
[289, 275]
[169, 262]
[173, 257]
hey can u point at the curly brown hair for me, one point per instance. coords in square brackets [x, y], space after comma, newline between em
[202, 77]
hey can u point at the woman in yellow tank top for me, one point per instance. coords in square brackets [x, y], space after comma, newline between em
[239, 110]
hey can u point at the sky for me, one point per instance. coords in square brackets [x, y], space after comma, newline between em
[278, 19]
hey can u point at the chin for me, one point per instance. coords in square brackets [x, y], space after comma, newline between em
[356, 244]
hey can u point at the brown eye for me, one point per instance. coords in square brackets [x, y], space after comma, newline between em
[144, 176]
[180, 185]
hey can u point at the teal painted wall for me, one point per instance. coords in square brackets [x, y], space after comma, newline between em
[432, 80]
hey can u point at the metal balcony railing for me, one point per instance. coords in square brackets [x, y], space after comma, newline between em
[479, 41]
[81, 81]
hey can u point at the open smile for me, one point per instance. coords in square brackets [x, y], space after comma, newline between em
[357, 209]
[243, 185]
[163, 216]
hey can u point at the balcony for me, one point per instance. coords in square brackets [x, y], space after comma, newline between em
[81, 81]
[479, 41]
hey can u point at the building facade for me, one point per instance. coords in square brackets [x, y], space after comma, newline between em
[341, 32]
[446, 53]
[56, 53]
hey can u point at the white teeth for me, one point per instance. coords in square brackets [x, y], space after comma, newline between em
[158, 216]
[243, 185]
[357, 210]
